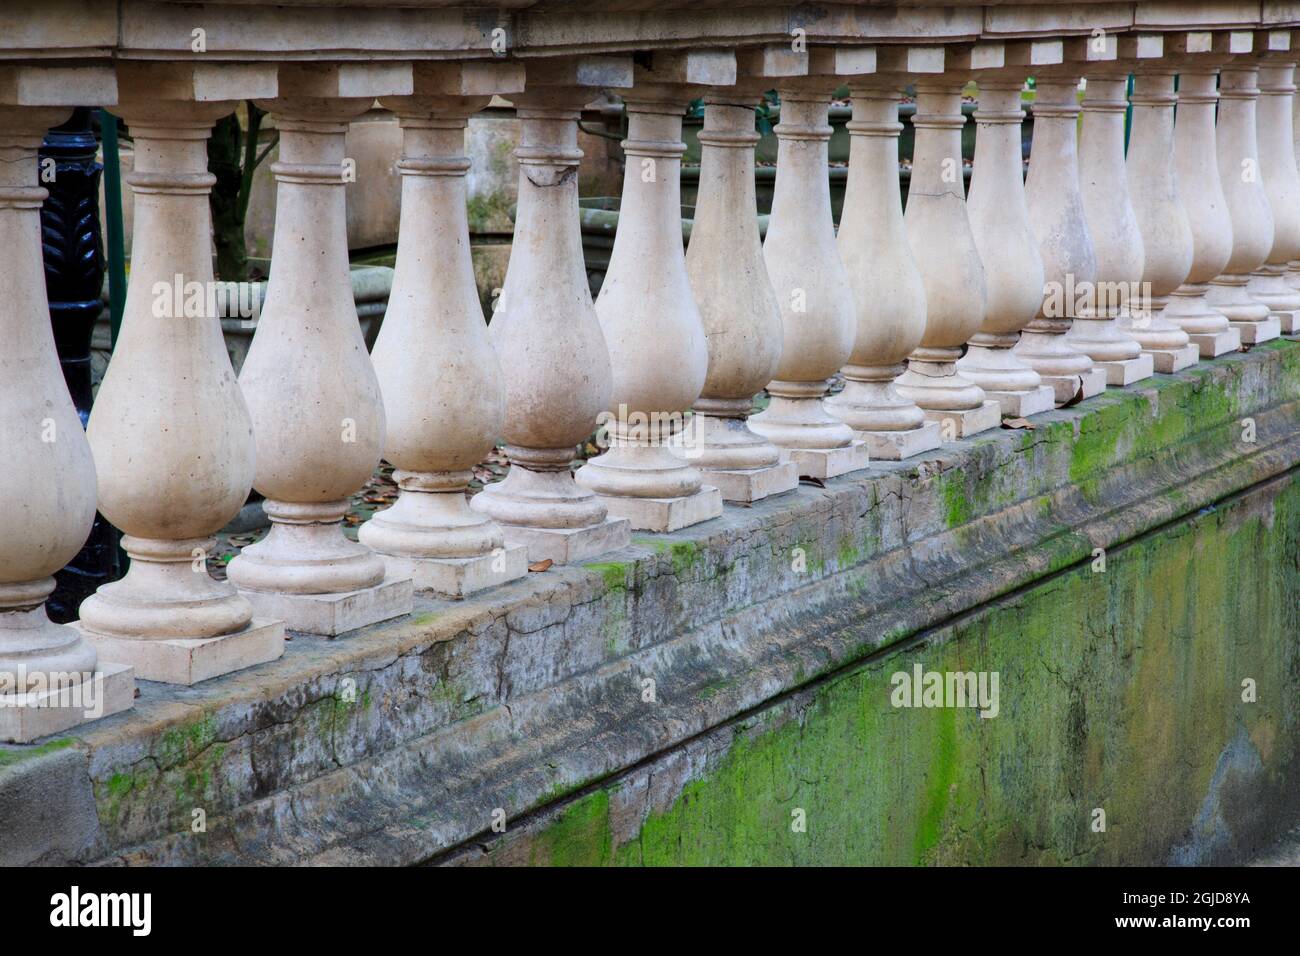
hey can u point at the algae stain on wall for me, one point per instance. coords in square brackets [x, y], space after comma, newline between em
[1120, 690]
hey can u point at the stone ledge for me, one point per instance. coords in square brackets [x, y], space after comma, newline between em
[395, 743]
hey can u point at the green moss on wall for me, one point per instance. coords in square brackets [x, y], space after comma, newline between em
[1119, 691]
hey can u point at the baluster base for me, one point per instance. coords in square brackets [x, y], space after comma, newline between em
[432, 536]
[1168, 361]
[306, 573]
[1164, 340]
[1084, 385]
[1264, 330]
[541, 508]
[1045, 348]
[1292, 276]
[330, 615]
[957, 423]
[823, 463]
[50, 677]
[570, 545]
[891, 427]
[1128, 371]
[1006, 379]
[663, 515]
[1116, 353]
[1227, 294]
[1022, 404]
[899, 445]
[109, 690]
[643, 481]
[459, 577]
[817, 443]
[171, 622]
[188, 661]
[743, 466]
[1214, 344]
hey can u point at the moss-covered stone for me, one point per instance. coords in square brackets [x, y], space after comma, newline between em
[1120, 691]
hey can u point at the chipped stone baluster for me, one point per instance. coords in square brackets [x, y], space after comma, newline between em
[1116, 237]
[1277, 167]
[742, 319]
[440, 425]
[889, 294]
[649, 317]
[812, 289]
[1013, 269]
[1166, 230]
[171, 433]
[955, 294]
[48, 480]
[316, 405]
[548, 338]
[1201, 191]
[1248, 208]
[1057, 219]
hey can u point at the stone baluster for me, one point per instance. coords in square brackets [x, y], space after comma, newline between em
[889, 294]
[955, 293]
[317, 411]
[1056, 217]
[50, 678]
[1248, 207]
[812, 289]
[73, 246]
[1196, 168]
[172, 436]
[1013, 268]
[1277, 167]
[650, 321]
[1293, 267]
[1113, 228]
[440, 426]
[742, 318]
[1162, 218]
[546, 332]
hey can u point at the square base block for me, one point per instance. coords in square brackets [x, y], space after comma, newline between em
[1024, 404]
[1287, 322]
[895, 446]
[187, 661]
[823, 463]
[1212, 345]
[457, 577]
[967, 422]
[1168, 361]
[665, 514]
[1066, 386]
[1252, 333]
[28, 717]
[570, 546]
[754, 484]
[1119, 374]
[333, 614]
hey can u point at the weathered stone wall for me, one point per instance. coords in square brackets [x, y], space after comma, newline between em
[770, 635]
[1119, 690]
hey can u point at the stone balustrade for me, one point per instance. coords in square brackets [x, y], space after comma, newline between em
[1102, 269]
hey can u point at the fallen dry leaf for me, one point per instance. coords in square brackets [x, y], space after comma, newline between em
[540, 565]
[1078, 397]
[1018, 423]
